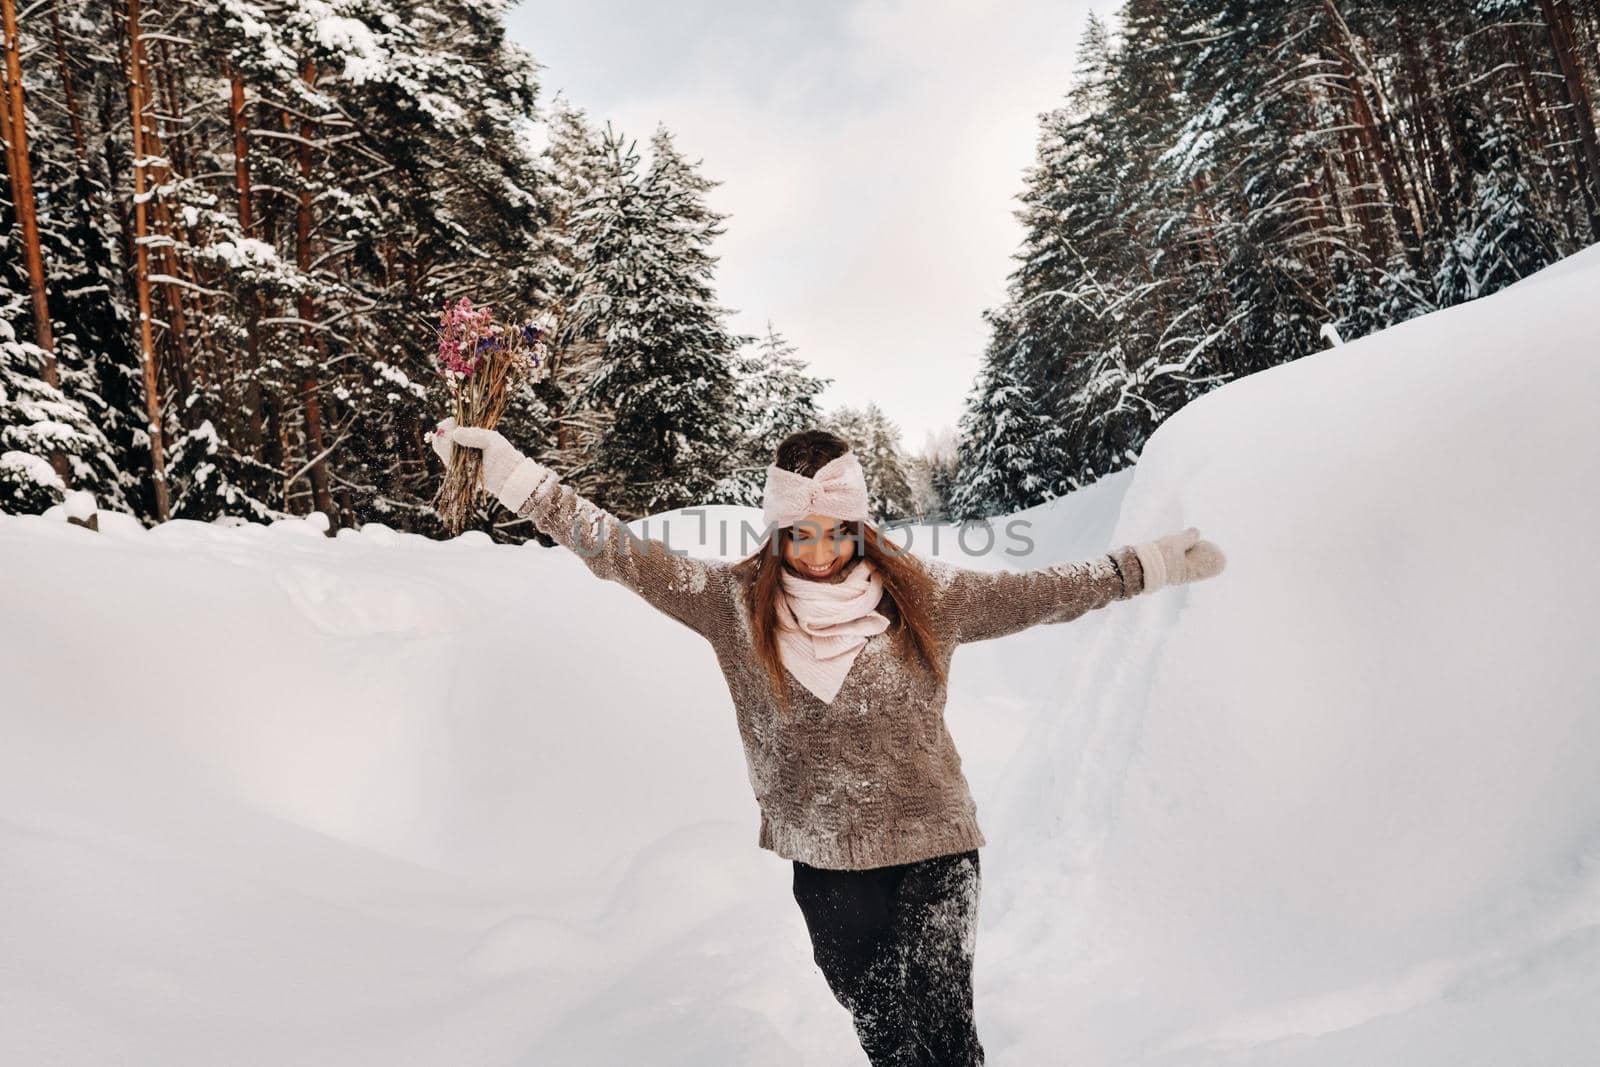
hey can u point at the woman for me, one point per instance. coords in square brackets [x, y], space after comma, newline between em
[835, 644]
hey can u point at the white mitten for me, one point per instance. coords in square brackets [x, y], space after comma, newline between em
[1177, 558]
[439, 439]
[507, 474]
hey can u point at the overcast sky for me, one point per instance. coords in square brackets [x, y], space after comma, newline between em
[870, 153]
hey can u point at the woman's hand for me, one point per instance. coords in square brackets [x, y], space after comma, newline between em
[507, 474]
[1178, 558]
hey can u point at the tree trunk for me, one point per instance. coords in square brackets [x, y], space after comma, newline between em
[255, 431]
[1437, 58]
[181, 299]
[1427, 119]
[160, 222]
[1362, 207]
[241, 153]
[1562, 170]
[79, 143]
[20, 170]
[137, 104]
[307, 310]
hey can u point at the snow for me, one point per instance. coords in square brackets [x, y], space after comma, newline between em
[78, 504]
[272, 797]
[27, 467]
[395, 376]
[351, 39]
[243, 252]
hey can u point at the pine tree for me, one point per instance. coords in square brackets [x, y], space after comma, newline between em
[664, 374]
[875, 440]
[1007, 451]
[1500, 233]
[37, 421]
[570, 164]
[777, 396]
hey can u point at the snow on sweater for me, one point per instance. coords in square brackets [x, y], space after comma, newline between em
[874, 777]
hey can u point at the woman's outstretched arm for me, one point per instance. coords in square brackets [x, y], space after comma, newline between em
[693, 591]
[978, 605]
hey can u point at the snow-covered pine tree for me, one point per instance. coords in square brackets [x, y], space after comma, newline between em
[777, 396]
[572, 161]
[875, 439]
[1500, 233]
[1365, 298]
[1256, 96]
[1008, 451]
[664, 374]
[570, 164]
[39, 420]
[1101, 324]
[1065, 293]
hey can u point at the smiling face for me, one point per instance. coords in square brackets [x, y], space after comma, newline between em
[818, 546]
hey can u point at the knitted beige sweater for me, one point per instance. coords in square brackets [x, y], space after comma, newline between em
[872, 778]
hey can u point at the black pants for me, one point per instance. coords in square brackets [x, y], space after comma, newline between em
[895, 945]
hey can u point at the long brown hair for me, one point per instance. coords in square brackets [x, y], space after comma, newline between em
[906, 583]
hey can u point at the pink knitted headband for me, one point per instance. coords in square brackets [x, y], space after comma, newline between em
[838, 489]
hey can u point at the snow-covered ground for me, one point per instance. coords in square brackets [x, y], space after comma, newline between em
[269, 798]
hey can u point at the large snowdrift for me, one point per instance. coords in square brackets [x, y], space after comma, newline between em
[267, 797]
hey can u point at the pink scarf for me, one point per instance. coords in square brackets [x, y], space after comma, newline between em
[823, 625]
